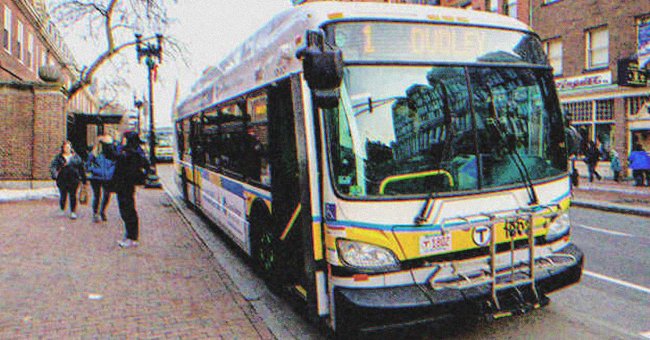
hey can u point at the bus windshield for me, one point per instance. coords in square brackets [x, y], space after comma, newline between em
[414, 130]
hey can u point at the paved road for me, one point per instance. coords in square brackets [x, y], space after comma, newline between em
[611, 302]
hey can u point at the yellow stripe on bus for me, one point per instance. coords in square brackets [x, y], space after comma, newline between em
[291, 222]
[317, 240]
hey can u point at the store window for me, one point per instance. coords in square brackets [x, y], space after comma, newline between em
[634, 105]
[594, 120]
[642, 138]
[6, 30]
[511, 8]
[597, 42]
[554, 52]
[492, 5]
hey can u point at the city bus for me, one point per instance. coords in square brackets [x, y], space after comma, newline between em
[389, 164]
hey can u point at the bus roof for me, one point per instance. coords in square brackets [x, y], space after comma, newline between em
[269, 54]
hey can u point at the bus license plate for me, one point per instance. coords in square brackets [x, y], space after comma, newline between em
[432, 244]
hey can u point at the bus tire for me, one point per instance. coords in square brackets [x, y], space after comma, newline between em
[264, 250]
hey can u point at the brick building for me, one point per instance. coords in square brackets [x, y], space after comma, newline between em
[595, 47]
[37, 115]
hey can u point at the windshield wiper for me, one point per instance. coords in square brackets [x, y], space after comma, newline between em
[425, 212]
[506, 136]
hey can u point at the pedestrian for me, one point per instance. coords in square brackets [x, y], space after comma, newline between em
[130, 170]
[615, 164]
[639, 162]
[574, 141]
[592, 156]
[100, 170]
[67, 168]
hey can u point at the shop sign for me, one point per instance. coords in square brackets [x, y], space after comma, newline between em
[643, 41]
[629, 73]
[585, 81]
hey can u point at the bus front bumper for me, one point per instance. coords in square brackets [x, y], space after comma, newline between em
[400, 305]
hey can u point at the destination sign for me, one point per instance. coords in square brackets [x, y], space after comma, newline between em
[416, 42]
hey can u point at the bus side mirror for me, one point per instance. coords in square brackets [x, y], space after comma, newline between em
[322, 68]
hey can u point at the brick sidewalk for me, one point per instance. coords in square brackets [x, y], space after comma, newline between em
[69, 279]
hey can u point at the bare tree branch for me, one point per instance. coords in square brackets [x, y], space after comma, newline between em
[111, 21]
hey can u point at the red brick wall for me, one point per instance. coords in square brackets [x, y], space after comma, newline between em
[569, 20]
[33, 126]
[50, 128]
[10, 67]
[16, 107]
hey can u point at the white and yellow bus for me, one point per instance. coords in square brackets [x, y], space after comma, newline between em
[389, 163]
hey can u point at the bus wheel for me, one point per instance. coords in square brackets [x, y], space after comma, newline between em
[264, 250]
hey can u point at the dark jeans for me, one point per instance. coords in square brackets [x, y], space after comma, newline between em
[66, 191]
[640, 176]
[99, 188]
[592, 172]
[126, 203]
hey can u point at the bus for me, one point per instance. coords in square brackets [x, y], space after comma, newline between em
[164, 148]
[389, 164]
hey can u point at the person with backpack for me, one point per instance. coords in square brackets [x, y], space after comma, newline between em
[131, 166]
[67, 168]
[100, 170]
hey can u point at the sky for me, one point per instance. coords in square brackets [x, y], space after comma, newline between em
[210, 30]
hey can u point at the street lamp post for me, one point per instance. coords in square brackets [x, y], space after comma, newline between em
[152, 54]
[138, 106]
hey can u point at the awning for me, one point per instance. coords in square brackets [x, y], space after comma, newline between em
[94, 118]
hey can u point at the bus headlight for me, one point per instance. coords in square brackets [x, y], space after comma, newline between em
[366, 256]
[558, 228]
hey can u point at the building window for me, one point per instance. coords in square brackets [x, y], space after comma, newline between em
[554, 52]
[511, 8]
[597, 42]
[634, 105]
[30, 51]
[6, 31]
[19, 41]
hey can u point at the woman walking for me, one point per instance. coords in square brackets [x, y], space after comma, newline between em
[101, 171]
[67, 169]
[130, 164]
[592, 156]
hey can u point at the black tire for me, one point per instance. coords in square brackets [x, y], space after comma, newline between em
[264, 248]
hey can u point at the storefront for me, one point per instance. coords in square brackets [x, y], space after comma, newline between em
[610, 115]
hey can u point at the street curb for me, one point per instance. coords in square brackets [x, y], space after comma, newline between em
[611, 208]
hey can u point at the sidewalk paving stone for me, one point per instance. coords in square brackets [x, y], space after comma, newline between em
[69, 279]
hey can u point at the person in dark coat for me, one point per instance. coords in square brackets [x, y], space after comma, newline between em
[100, 170]
[130, 166]
[592, 156]
[67, 168]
